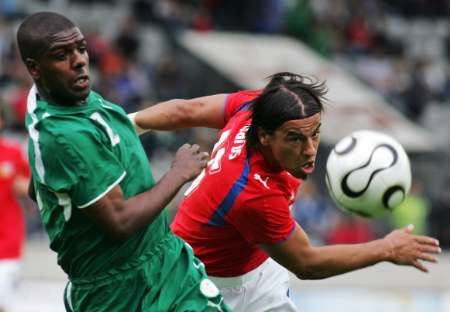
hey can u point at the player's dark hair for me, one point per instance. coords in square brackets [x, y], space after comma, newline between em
[286, 97]
[36, 29]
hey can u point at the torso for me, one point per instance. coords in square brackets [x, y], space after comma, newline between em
[78, 154]
[238, 204]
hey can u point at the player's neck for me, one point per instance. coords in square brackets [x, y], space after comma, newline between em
[46, 96]
[269, 159]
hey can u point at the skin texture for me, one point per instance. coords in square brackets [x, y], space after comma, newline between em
[207, 111]
[61, 74]
[293, 147]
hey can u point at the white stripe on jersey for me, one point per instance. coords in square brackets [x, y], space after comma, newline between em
[34, 134]
[65, 202]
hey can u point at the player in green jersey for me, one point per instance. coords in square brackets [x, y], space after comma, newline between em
[99, 203]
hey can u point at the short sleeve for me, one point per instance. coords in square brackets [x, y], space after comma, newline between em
[237, 101]
[265, 220]
[82, 166]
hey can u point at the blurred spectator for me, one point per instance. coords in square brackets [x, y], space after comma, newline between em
[413, 210]
[359, 35]
[417, 93]
[349, 229]
[98, 47]
[18, 100]
[202, 20]
[313, 212]
[127, 41]
[14, 177]
[378, 70]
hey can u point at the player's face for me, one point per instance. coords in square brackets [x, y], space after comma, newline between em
[62, 70]
[293, 146]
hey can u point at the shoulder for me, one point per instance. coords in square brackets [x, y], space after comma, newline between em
[65, 133]
[106, 104]
[238, 100]
[241, 97]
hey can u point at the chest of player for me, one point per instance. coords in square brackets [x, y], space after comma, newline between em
[112, 127]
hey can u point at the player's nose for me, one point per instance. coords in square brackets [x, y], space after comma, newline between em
[309, 148]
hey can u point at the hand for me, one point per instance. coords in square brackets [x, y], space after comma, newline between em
[189, 161]
[406, 248]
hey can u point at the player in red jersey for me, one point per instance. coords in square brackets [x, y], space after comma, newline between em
[236, 214]
[14, 176]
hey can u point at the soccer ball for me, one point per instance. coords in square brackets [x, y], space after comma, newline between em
[368, 173]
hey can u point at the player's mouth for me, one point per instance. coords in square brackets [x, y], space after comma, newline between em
[81, 82]
[308, 167]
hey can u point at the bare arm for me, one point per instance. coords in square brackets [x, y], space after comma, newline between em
[120, 218]
[308, 262]
[20, 186]
[207, 111]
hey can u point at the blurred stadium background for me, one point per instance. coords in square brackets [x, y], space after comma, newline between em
[387, 67]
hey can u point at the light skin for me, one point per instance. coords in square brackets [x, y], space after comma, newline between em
[61, 74]
[293, 147]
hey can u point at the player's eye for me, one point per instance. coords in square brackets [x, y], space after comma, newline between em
[60, 56]
[295, 139]
[82, 49]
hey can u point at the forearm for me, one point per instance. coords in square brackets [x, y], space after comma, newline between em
[207, 111]
[141, 210]
[327, 261]
[169, 115]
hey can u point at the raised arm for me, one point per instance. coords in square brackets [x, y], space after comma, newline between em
[308, 262]
[120, 218]
[206, 111]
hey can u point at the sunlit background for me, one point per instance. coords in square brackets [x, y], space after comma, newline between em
[387, 67]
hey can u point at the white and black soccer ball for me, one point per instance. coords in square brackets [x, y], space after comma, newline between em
[368, 173]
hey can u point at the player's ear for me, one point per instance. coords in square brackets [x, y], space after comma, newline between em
[33, 68]
[263, 136]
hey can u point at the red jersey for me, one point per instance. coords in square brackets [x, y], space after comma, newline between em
[12, 228]
[238, 202]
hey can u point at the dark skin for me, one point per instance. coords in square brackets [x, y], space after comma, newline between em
[61, 74]
[61, 70]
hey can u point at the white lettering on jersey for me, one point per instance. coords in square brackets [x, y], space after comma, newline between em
[257, 177]
[238, 143]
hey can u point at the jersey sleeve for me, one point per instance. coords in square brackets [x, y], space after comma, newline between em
[238, 101]
[265, 220]
[82, 166]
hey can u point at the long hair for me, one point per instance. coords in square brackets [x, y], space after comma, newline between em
[286, 97]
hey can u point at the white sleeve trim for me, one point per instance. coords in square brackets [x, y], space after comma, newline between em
[105, 192]
[138, 129]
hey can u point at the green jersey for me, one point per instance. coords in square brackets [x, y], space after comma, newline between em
[78, 154]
